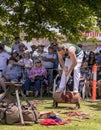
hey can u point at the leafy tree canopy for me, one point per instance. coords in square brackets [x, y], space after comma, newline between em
[37, 17]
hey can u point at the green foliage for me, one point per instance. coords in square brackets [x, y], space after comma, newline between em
[37, 17]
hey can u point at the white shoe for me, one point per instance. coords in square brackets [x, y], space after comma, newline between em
[75, 91]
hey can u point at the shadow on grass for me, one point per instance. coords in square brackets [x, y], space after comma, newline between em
[95, 105]
[65, 107]
[50, 107]
[38, 98]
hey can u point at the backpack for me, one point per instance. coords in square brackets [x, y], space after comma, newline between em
[10, 115]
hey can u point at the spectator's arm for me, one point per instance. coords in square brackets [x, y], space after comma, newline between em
[5, 76]
[31, 74]
[48, 59]
[19, 63]
[44, 71]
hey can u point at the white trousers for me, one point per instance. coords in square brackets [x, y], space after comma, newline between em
[76, 75]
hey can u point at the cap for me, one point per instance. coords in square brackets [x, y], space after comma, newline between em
[41, 45]
[14, 51]
[26, 52]
[21, 44]
[50, 47]
[33, 46]
[37, 60]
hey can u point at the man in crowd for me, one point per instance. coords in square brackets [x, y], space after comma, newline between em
[48, 60]
[39, 52]
[11, 73]
[74, 56]
[15, 46]
[4, 56]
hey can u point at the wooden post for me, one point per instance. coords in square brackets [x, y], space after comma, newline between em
[19, 106]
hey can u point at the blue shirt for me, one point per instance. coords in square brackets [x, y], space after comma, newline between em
[12, 73]
[98, 58]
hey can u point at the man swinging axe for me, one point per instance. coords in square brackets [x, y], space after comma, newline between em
[73, 61]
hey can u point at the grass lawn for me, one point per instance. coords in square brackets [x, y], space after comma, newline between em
[94, 123]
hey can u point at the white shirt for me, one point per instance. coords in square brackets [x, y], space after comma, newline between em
[49, 64]
[27, 62]
[3, 60]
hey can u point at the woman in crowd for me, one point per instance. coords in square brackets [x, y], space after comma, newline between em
[85, 80]
[91, 60]
[36, 76]
[27, 63]
[15, 55]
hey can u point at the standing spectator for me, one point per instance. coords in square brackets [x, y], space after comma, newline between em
[4, 56]
[99, 82]
[56, 62]
[55, 52]
[72, 63]
[39, 53]
[3, 45]
[22, 48]
[98, 58]
[48, 60]
[33, 47]
[91, 60]
[15, 46]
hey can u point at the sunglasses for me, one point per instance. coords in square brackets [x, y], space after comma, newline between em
[38, 62]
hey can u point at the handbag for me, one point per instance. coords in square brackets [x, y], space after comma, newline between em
[10, 115]
[30, 114]
[39, 78]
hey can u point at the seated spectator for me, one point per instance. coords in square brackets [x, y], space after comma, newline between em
[70, 83]
[57, 79]
[35, 78]
[14, 55]
[27, 63]
[85, 78]
[10, 74]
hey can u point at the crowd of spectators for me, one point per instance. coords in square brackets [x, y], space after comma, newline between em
[30, 67]
[40, 65]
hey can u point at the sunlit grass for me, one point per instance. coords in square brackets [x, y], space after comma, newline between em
[94, 123]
